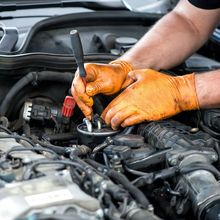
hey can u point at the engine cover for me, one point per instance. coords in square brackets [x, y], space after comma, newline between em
[52, 194]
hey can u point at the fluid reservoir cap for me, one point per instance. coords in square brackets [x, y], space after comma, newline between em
[125, 41]
[105, 131]
[130, 140]
[94, 137]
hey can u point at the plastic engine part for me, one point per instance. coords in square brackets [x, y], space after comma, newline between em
[173, 134]
[68, 106]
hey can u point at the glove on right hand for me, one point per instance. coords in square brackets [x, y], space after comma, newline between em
[101, 78]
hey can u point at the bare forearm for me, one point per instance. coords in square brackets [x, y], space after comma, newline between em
[208, 89]
[174, 38]
[167, 44]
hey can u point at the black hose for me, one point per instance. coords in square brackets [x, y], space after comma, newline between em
[95, 164]
[142, 215]
[5, 129]
[135, 172]
[75, 150]
[134, 191]
[30, 149]
[33, 77]
[57, 149]
[17, 137]
[61, 136]
[120, 178]
[33, 166]
[209, 130]
[149, 178]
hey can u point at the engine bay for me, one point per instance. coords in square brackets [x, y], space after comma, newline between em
[62, 166]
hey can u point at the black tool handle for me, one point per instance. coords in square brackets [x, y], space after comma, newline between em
[78, 51]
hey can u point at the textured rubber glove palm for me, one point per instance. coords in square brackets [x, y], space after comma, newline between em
[153, 96]
[101, 78]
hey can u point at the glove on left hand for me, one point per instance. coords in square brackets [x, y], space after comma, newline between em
[153, 96]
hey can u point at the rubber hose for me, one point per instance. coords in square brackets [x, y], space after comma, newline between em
[134, 191]
[57, 149]
[142, 215]
[29, 78]
[95, 164]
[117, 177]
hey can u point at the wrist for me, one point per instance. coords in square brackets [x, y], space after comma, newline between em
[188, 99]
[207, 88]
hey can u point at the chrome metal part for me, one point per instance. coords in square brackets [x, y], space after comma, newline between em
[27, 111]
[88, 124]
[99, 124]
[105, 131]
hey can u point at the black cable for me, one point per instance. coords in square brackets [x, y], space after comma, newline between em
[76, 178]
[17, 137]
[46, 162]
[7, 153]
[135, 172]
[57, 149]
[106, 160]
[149, 178]
[99, 148]
[133, 190]
[120, 178]
[143, 215]
[60, 136]
[209, 130]
[5, 129]
[96, 165]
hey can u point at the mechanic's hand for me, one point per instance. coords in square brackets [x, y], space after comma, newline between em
[101, 78]
[153, 96]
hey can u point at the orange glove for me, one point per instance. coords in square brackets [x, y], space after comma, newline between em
[102, 78]
[153, 96]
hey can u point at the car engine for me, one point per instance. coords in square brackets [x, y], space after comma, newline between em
[55, 164]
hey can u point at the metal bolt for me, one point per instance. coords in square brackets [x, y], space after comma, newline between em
[99, 214]
[173, 162]
[150, 208]
[96, 190]
[194, 130]
[88, 124]
[104, 185]
[214, 157]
